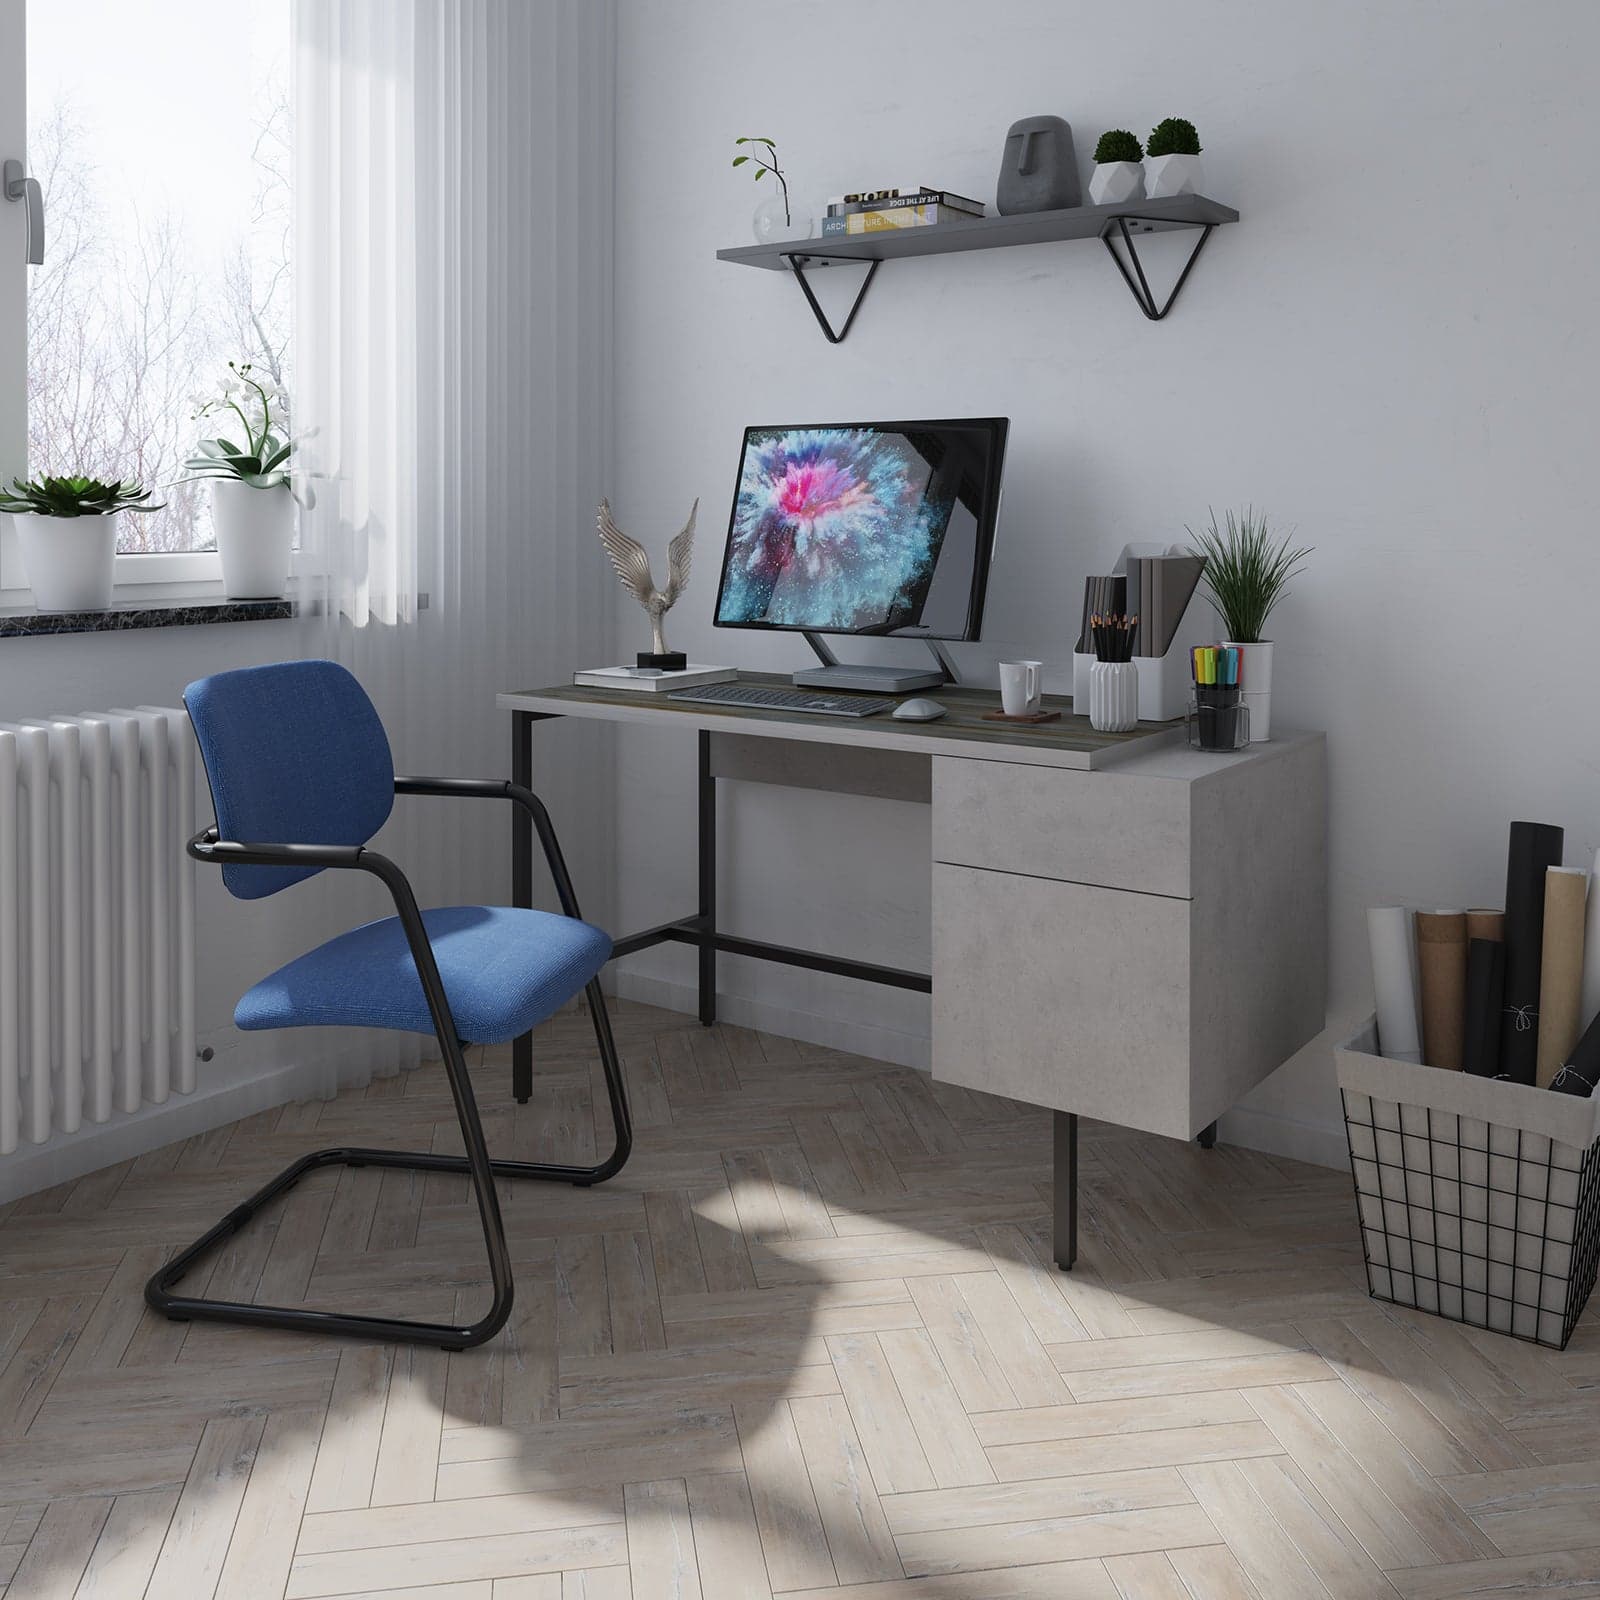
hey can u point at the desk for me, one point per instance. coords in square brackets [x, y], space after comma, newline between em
[1123, 928]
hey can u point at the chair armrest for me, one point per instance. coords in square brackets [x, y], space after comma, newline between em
[207, 846]
[504, 789]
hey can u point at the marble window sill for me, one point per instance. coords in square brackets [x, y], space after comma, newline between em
[125, 616]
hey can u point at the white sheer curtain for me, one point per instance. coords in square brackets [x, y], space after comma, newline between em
[453, 366]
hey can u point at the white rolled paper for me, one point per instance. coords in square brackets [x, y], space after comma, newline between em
[1394, 982]
[1589, 1004]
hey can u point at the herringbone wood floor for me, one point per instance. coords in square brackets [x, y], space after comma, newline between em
[807, 1343]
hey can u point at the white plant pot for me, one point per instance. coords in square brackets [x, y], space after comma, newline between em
[69, 561]
[1165, 176]
[1255, 686]
[1114, 183]
[1113, 696]
[255, 537]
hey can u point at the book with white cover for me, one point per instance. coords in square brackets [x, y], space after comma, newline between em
[652, 680]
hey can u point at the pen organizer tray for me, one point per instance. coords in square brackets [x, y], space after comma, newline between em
[1218, 718]
[1479, 1200]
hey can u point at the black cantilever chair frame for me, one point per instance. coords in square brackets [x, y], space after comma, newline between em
[477, 1164]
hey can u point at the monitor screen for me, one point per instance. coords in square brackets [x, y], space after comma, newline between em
[864, 527]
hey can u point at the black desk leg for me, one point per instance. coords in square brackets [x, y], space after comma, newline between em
[708, 884]
[522, 881]
[1066, 1187]
[1208, 1136]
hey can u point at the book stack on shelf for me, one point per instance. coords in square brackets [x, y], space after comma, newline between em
[882, 209]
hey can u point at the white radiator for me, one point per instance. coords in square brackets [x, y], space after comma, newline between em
[96, 918]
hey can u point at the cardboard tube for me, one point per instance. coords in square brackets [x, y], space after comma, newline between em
[1534, 847]
[1394, 982]
[1589, 1005]
[1486, 925]
[1582, 1071]
[1561, 977]
[1442, 970]
[1486, 998]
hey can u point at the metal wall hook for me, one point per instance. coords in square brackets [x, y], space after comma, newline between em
[18, 186]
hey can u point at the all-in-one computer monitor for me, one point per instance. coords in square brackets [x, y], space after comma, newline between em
[881, 529]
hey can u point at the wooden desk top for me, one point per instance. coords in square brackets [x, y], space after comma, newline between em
[1069, 742]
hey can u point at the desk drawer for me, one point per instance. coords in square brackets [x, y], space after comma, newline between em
[1108, 828]
[1064, 995]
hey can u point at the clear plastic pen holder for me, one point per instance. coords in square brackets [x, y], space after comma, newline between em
[1217, 719]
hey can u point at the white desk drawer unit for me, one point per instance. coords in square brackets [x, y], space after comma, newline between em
[1141, 945]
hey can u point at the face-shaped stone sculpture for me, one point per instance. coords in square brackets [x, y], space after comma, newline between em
[1038, 171]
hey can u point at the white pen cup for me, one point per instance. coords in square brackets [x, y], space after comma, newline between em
[1021, 687]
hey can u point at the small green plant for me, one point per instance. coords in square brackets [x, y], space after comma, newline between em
[261, 460]
[766, 160]
[1118, 145]
[74, 497]
[1173, 137]
[1246, 573]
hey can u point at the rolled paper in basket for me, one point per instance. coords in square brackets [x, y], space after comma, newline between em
[1561, 976]
[1442, 968]
[1589, 1004]
[1535, 848]
[1486, 925]
[1486, 998]
[1582, 1071]
[1394, 981]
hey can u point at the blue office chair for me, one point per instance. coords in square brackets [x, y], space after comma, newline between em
[296, 755]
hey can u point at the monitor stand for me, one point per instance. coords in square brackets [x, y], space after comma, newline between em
[835, 674]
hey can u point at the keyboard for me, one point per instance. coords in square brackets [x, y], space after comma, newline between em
[812, 701]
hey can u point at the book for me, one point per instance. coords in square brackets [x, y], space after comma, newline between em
[920, 216]
[652, 680]
[898, 202]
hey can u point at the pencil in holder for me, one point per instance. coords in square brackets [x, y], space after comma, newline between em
[1218, 719]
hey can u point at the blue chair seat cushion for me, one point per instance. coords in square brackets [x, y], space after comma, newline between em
[503, 970]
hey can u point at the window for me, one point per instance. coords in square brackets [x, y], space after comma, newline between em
[161, 139]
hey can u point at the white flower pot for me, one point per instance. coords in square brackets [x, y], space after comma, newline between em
[255, 537]
[1113, 183]
[69, 561]
[1255, 686]
[1113, 696]
[1169, 175]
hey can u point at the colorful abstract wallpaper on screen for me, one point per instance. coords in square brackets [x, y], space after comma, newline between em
[833, 528]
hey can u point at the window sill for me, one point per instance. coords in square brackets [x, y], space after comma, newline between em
[126, 615]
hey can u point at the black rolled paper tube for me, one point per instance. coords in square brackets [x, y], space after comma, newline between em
[1486, 998]
[1582, 1071]
[1535, 848]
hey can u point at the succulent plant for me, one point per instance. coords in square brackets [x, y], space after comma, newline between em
[1173, 137]
[1118, 145]
[74, 497]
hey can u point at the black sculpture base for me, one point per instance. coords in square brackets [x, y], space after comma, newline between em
[671, 661]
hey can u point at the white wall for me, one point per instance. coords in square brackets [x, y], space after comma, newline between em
[1395, 351]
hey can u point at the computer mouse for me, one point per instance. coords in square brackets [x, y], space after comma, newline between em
[918, 711]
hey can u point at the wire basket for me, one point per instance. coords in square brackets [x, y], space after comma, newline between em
[1479, 1201]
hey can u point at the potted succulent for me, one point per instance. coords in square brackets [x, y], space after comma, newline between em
[67, 531]
[252, 505]
[1117, 175]
[1246, 575]
[1172, 159]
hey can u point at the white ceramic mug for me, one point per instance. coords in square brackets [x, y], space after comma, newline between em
[1021, 687]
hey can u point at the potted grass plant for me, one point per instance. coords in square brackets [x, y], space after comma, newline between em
[1117, 175]
[67, 532]
[1246, 575]
[1172, 159]
[252, 505]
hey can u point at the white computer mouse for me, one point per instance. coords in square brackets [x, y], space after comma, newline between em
[918, 711]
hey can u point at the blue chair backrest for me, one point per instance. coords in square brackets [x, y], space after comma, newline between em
[295, 754]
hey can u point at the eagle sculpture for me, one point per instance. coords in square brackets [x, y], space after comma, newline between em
[633, 568]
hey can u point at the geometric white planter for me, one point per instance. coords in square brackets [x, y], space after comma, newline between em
[1165, 176]
[255, 536]
[1255, 683]
[1114, 183]
[68, 561]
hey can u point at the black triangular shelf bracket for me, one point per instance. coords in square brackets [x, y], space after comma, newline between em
[1136, 281]
[796, 265]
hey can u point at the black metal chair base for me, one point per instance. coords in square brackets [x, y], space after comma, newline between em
[476, 1165]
